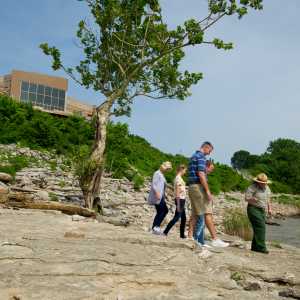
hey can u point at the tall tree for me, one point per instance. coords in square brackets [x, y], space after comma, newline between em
[130, 52]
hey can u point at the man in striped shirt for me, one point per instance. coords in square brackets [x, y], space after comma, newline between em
[201, 197]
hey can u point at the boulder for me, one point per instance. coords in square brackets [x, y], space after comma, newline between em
[43, 195]
[77, 218]
[251, 285]
[25, 181]
[290, 293]
[4, 190]
[5, 177]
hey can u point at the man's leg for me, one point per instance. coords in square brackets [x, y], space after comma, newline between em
[192, 224]
[209, 222]
[199, 230]
[257, 220]
[196, 199]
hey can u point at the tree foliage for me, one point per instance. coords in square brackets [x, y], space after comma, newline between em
[243, 160]
[281, 162]
[130, 51]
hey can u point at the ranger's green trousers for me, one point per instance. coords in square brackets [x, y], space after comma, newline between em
[257, 219]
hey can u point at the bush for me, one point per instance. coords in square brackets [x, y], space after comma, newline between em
[138, 182]
[214, 183]
[20, 123]
[231, 199]
[288, 199]
[13, 164]
[278, 187]
[237, 223]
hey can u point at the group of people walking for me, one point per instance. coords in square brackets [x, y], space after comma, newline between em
[201, 200]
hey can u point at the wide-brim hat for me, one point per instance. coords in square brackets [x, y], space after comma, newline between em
[262, 178]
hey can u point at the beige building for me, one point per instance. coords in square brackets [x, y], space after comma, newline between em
[48, 93]
[5, 84]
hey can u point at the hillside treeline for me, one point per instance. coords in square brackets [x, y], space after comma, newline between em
[281, 162]
[127, 155]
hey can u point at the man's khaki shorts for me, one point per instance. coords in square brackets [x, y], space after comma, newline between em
[199, 201]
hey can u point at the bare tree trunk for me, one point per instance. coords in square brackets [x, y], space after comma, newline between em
[97, 155]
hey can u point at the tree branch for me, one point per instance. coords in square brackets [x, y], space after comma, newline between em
[71, 75]
[123, 41]
[144, 42]
[214, 21]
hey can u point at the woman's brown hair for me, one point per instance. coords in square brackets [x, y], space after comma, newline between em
[181, 168]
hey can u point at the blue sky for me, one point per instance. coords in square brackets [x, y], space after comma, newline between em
[248, 97]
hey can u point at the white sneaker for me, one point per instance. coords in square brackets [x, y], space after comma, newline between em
[205, 253]
[156, 230]
[219, 243]
[206, 246]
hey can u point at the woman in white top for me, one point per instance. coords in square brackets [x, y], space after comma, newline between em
[180, 196]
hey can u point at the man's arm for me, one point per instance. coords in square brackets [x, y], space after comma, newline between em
[269, 206]
[249, 197]
[203, 182]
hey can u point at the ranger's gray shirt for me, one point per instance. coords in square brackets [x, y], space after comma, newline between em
[262, 196]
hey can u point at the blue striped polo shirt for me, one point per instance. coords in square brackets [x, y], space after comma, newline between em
[197, 164]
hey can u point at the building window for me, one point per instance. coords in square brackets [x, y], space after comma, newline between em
[24, 96]
[44, 96]
[25, 86]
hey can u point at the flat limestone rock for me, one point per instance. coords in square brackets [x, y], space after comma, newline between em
[49, 256]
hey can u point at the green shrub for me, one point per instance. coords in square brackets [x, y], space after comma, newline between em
[53, 165]
[237, 276]
[231, 199]
[53, 197]
[278, 187]
[275, 244]
[242, 185]
[288, 199]
[214, 184]
[237, 223]
[138, 182]
[13, 164]
[62, 183]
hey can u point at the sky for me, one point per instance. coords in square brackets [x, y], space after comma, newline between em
[248, 97]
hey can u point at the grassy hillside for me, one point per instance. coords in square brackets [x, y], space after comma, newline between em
[127, 155]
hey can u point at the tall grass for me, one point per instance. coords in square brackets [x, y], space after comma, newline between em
[237, 223]
[288, 199]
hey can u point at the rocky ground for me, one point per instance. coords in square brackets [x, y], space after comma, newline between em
[49, 177]
[49, 255]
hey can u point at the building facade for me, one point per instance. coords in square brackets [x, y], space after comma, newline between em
[48, 93]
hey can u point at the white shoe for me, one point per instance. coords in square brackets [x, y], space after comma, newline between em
[156, 230]
[206, 246]
[205, 253]
[219, 243]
